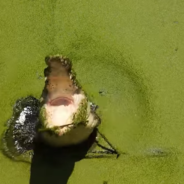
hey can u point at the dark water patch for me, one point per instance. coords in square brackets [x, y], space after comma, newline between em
[56, 164]
[18, 138]
[159, 152]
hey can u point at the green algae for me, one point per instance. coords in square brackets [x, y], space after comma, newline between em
[131, 49]
[81, 115]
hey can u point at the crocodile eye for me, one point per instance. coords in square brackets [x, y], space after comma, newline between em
[47, 58]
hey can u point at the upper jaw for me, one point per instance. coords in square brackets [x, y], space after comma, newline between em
[59, 80]
[60, 92]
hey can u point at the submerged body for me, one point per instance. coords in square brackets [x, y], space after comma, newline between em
[66, 115]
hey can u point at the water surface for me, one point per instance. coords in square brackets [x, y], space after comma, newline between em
[132, 51]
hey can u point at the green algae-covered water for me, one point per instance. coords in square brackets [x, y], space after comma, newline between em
[130, 50]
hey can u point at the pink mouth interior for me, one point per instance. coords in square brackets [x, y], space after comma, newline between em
[61, 101]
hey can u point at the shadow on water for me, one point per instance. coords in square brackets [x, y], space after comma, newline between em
[55, 165]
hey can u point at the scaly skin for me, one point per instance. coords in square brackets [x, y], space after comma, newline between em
[66, 116]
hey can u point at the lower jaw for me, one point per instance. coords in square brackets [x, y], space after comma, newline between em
[73, 137]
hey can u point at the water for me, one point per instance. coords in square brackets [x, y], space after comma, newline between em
[133, 51]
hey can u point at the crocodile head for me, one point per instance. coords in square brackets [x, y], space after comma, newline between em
[65, 113]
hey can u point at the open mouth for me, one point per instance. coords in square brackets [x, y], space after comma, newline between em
[61, 101]
[63, 112]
